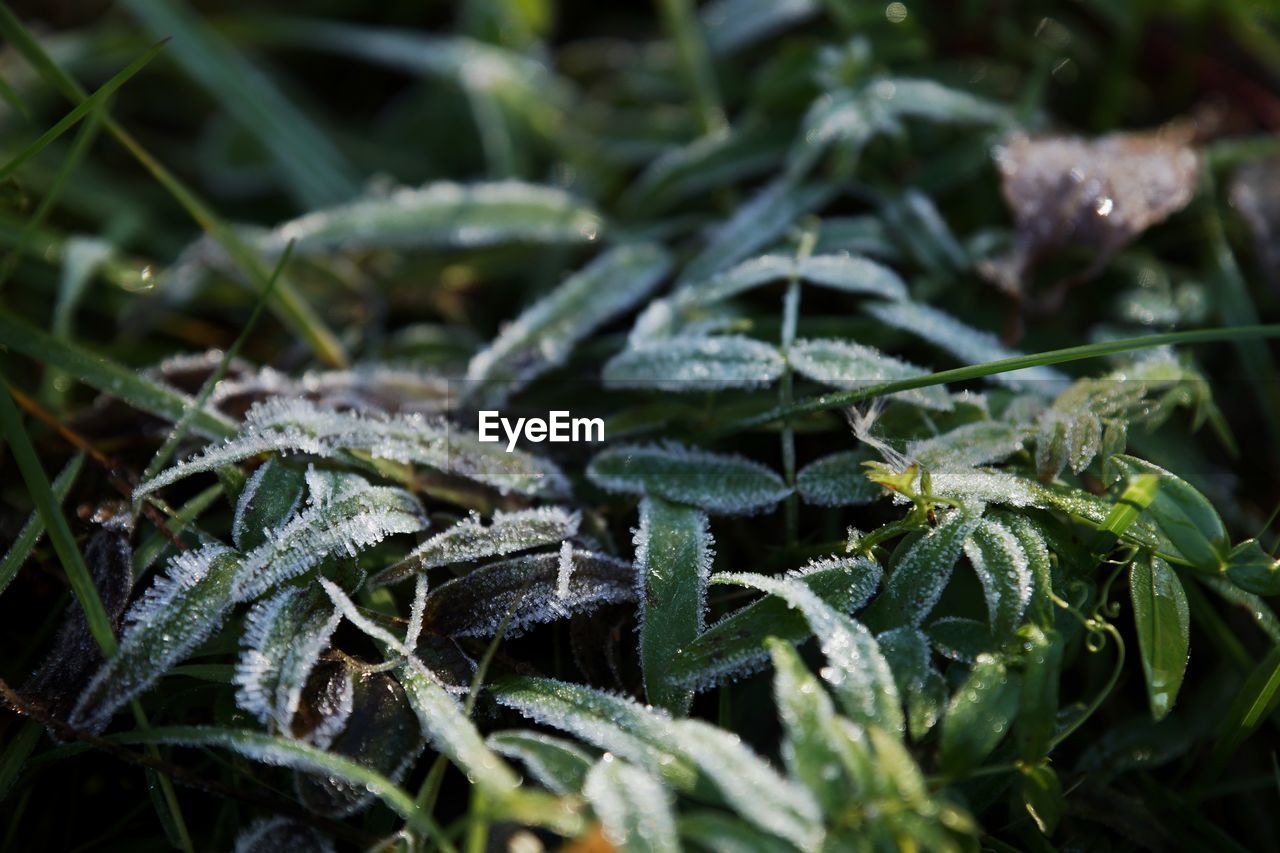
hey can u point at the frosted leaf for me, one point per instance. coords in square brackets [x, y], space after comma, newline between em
[544, 335]
[452, 733]
[702, 363]
[178, 612]
[283, 638]
[810, 746]
[417, 612]
[351, 612]
[961, 639]
[920, 684]
[354, 517]
[721, 484]
[364, 388]
[470, 539]
[299, 426]
[634, 809]
[685, 754]
[973, 486]
[844, 364]
[970, 445]
[1096, 193]
[558, 764]
[1066, 439]
[966, 343]
[674, 550]
[838, 480]
[281, 835]
[843, 272]
[1031, 540]
[914, 219]
[1003, 568]
[732, 25]
[734, 645]
[713, 160]
[381, 733]
[927, 99]
[270, 496]
[756, 223]
[658, 320]
[443, 215]
[475, 604]
[856, 671]
[917, 581]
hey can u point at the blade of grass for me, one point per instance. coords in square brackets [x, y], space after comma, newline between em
[843, 399]
[287, 304]
[94, 370]
[34, 528]
[92, 104]
[1257, 699]
[15, 755]
[78, 576]
[691, 48]
[165, 453]
[313, 168]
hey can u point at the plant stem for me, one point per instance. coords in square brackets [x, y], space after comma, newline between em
[695, 60]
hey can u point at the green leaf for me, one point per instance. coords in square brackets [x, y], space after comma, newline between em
[1041, 671]
[673, 561]
[179, 611]
[1040, 609]
[119, 381]
[687, 754]
[29, 536]
[1248, 566]
[269, 498]
[717, 832]
[961, 639]
[734, 645]
[921, 686]
[556, 763]
[718, 483]
[685, 364]
[544, 335]
[844, 364]
[1162, 620]
[810, 744]
[857, 671]
[846, 273]
[1182, 514]
[527, 591]
[916, 583]
[1004, 570]
[979, 715]
[1042, 796]
[1256, 700]
[634, 808]
[469, 539]
[838, 480]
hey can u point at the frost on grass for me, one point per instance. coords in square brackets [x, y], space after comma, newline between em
[443, 215]
[471, 539]
[299, 426]
[734, 646]
[544, 335]
[857, 671]
[634, 809]
[339, 523]
[528, 589]
[922, 573]
[692, 363]
[843, 272]
[838, 480]
[558, 764]
[363, 388]
[721, 484]
[674, 551]
[966, 343]
[685, 754]
[844, 364]
[276, 834]
[178, 612]
[283, 638]
[970, 445]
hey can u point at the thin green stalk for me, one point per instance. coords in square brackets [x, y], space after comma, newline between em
[287, 303]
[14, 757]
[86, 107]
[843, 399]
[78, 575]
[34, 528]
[165, 453]
[695, 60]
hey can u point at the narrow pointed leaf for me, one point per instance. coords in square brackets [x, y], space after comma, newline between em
[270, 496]
[979, 715]
[847, 273]
[844, 364]
[1004, 570]
[838, 480]
[917, 582]
[556, 763]
[721, 484]
[1162, 621]
[695, 363]
[634, 808]
[1182, 514]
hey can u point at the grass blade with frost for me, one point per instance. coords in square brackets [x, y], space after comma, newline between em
[721, 484]
[695, 363]
[558, 764]
[633, 807]
[844, 364]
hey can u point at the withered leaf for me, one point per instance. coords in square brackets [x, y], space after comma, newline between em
[1098, 194]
